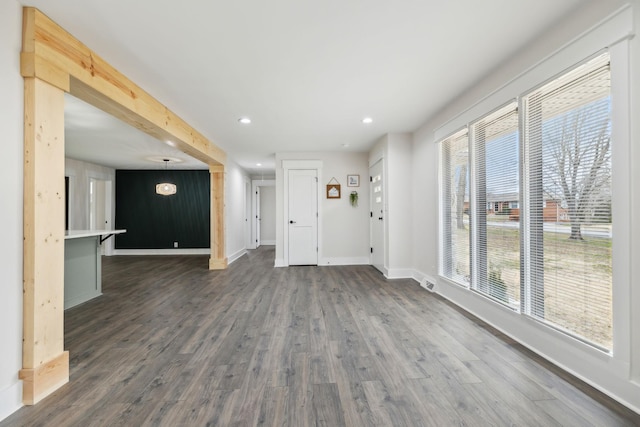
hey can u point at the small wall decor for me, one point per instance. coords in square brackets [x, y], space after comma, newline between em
[353, 199]
[333, 189]
[353, 180]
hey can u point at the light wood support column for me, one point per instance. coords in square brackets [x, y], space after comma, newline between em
[52, 62]
[45, 364]
[218, 260]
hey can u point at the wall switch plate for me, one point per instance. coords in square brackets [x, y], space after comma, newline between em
[175, 244]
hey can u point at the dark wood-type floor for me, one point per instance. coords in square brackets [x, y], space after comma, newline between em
[171, 343]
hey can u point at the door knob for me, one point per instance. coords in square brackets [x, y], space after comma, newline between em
[380, 218]
[292, 222]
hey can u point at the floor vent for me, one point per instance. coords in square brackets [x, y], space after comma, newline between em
[428, 285]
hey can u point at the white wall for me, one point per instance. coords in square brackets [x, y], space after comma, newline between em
[343, 230]
[11, 119]
[396, 152]
[424, 171]
[616, 375]
[634, 192]
[80, 173]
[235, 211]
[268, 215]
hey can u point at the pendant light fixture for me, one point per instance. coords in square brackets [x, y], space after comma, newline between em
[166, 188]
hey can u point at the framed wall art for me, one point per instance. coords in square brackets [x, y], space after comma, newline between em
[333, 189]
[353, 180]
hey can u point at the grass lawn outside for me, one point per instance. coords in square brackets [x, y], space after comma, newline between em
[577, 277]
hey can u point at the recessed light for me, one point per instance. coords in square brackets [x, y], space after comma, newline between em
[367, 120]
[244, 120]
[258, 164]
[170, 143]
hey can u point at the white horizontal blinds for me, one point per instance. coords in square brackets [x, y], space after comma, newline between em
[567, 133]
[495, 140]
[455, 208]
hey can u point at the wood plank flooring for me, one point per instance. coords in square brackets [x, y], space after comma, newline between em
[173, 344]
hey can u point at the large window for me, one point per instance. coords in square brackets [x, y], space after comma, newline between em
[567, 135]
[526, 204]
[495, 160]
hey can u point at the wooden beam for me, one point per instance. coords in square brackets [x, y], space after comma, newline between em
[218, 260]
[43, 267]
[55, 56]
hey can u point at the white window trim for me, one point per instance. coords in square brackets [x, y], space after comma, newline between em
[621, 200]
[610, 373]
[441, 219]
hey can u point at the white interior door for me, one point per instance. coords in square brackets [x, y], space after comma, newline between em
[303, 217]
[377, 215]
[257, 217]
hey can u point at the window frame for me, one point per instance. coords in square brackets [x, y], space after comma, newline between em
[480, 264]
[620, 321]
[445, 231]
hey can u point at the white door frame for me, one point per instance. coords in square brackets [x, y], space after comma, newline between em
[299, 164]
[247, 213]
[258, 217]
[373, 162]
[254, 209]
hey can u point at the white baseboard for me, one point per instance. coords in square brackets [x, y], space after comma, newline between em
[10, 399]
[184, 251]
[267, 242]
[400, 273]
[234, 257]
[331, 261]
[80, 299]
[344, 261]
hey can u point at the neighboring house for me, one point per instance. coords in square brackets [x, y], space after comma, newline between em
[552, 210]
[508, 204]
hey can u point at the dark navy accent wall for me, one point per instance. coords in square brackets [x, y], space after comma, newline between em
[153, 221]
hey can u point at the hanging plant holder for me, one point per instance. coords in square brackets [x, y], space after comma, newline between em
[353, 199]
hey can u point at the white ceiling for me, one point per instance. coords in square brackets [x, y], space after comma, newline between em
[306, 73]
[97, 137]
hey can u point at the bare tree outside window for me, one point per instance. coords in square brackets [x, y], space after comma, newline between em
[569, 174]
[461, 194]
[578, 171]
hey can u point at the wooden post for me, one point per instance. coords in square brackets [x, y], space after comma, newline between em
[218, 260]
[52, 62]
[44, 361]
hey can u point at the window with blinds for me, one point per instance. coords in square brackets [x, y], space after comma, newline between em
[567, 144]
[526, 209]
[496, 239]
[455, 241]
